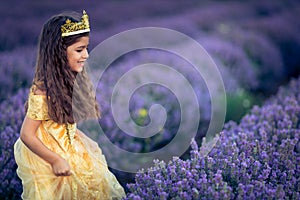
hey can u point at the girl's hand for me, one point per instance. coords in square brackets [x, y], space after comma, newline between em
[61, 167]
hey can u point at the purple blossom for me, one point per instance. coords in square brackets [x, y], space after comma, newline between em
[269, 170]
[257, 157]
[17, 70]
[12, 113]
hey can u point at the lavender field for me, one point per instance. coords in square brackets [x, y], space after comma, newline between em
[255, 45]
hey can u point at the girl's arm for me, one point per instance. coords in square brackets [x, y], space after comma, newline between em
[59, 165]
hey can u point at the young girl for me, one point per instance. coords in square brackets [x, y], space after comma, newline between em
[56, 160]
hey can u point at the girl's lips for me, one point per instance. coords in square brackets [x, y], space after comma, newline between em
[81, 63]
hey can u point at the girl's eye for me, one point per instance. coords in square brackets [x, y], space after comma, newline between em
[79, 50]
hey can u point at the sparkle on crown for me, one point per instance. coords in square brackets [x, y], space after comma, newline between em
[73, 28]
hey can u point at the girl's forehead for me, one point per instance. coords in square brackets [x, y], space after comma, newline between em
[81, 41]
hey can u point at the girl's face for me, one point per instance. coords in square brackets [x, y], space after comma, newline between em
[77, 54]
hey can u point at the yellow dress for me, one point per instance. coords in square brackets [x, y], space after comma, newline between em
[90, 179]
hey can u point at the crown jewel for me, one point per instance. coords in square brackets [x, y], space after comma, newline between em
[73, 28]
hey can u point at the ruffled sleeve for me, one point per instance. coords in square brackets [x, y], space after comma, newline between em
[37, 107]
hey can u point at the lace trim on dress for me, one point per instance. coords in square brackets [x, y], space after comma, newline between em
[71, 130]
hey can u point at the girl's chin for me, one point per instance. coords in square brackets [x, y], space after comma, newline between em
[78, 69]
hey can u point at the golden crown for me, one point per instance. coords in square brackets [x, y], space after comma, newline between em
[73, 28]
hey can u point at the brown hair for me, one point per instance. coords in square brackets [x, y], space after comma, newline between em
[70, 95]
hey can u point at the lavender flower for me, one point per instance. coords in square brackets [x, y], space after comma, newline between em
[12, 114]
[17, 70]
[251, 160]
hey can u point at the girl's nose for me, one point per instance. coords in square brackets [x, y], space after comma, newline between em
[85, 54]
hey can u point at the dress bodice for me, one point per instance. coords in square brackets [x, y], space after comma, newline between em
[38, 110]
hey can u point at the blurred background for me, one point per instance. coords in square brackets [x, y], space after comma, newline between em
[255, 44]
[257, 41]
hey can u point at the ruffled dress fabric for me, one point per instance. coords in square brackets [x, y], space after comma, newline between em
[90, 179]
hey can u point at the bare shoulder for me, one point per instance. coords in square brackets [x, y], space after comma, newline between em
[39, 92]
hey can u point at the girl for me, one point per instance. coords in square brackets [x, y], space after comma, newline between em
[56, 160]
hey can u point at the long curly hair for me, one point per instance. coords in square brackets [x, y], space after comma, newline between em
[70, 95]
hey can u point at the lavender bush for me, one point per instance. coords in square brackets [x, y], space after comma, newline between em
[220, 29]
[258, 158]
[11, 117]
[17, 70]
[241, 37]
[248, 52]
[238, 76]
[244, 47]
[146, 96]
[281, 26]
